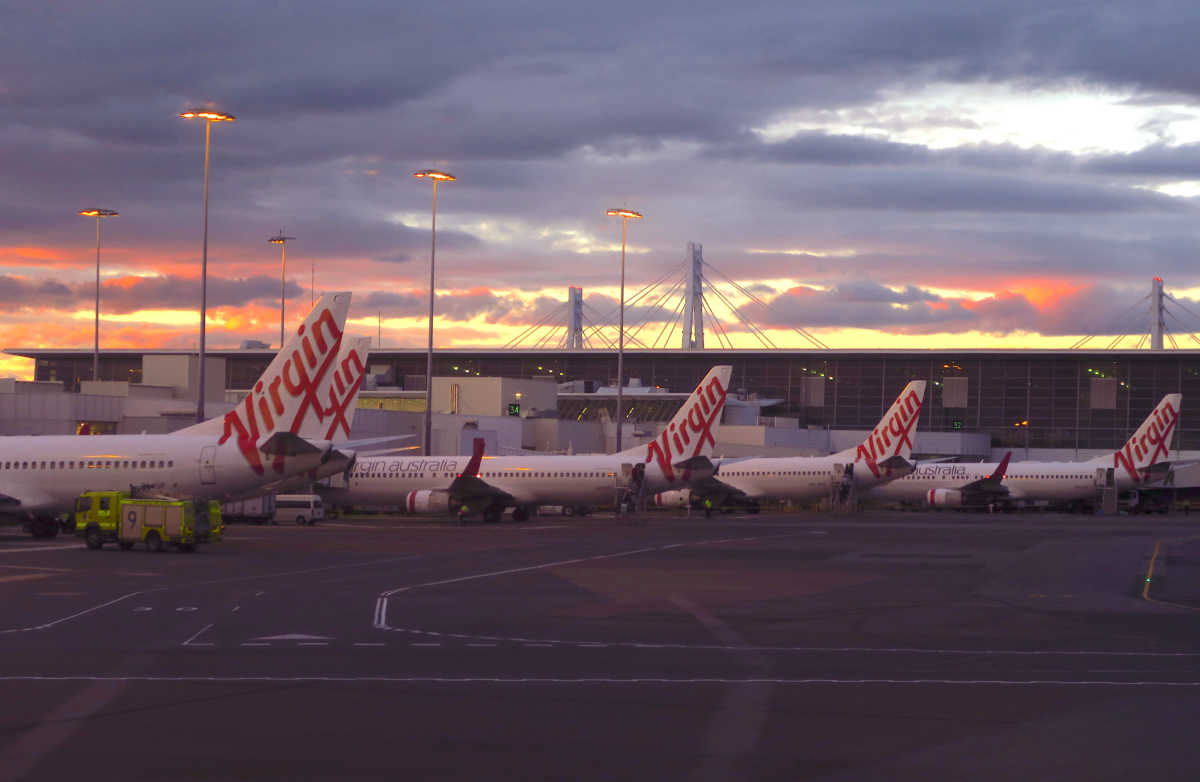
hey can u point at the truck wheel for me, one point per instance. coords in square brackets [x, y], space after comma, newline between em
[300, 521]
[92, 538]
[568, 510]
[154, 541]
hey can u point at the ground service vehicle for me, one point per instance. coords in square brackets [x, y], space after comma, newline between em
[113, 516]
[299, 508]
[216, 521]
[259, 510]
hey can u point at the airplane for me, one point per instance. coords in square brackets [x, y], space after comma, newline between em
[883, 456]
[1141, 460]
[491, 485]
[279, 429]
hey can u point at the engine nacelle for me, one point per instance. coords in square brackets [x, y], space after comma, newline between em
[426, 501]
[944, 498]
[677, 498]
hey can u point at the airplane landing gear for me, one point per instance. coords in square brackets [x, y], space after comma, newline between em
[520, 514]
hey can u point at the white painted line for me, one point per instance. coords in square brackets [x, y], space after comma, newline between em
[199, 633]
[482, 645]
[593, 646]
[617, 681]
[254, 643]
[314, 643]
[423, 644]
[540, 646]
[369, 643]
[380, 618]
[7, 550]
[78, 614]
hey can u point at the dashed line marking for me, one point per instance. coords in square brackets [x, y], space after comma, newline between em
[415, 643]
[369, 643]
[254, 643]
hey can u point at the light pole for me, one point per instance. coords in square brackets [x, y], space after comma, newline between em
[99, 214]
[626, 215]
[282, 241]
[209, 118]
[434, 176]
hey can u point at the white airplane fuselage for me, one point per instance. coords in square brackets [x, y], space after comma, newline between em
[798, 478]
[585, 479]
[1028, 481]
[49, 471]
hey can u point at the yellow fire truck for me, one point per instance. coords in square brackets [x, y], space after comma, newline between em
[115, 517]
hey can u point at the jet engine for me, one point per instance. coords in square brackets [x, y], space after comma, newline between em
[427, 501]
[945, 498]
[676, 498]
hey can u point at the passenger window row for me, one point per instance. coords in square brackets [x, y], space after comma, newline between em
[90, 464]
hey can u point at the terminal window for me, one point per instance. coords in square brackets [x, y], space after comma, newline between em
[1103, 393]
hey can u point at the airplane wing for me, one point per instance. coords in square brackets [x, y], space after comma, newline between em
[288, 444]
[705, 485]
[471, 490]
[992, 485]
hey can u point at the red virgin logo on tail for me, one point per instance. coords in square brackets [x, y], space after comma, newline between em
[1148, 443]
[705, 406]
[346, 381]
[892, 434]
[300, 378]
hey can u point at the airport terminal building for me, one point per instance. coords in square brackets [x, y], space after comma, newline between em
[1039, 403]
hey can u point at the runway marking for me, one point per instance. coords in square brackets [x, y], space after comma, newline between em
[369, 643]
[7, 550]
[253, 643]
[381, 602]
[78, 614]
[423, 644]
[38, 567]
[24, 577]
[202, 631]
[313, 643]
[600, 680]
[737, 723]
[482, 645]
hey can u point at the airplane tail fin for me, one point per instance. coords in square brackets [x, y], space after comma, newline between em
[893, 435]
[692, 432]
[288, 396]
[1151, 443]
[346, 381]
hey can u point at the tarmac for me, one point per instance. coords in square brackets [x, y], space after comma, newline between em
[877, 645]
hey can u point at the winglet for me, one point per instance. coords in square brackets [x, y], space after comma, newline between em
[998, 474]
[472, 468]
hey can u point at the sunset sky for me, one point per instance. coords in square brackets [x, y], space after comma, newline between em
[917, 174]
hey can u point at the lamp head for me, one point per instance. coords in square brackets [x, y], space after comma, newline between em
[434, 174]
[628, 214]
[208, 115]
[97, 213]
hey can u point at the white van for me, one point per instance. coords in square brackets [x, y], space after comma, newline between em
[298, 508]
